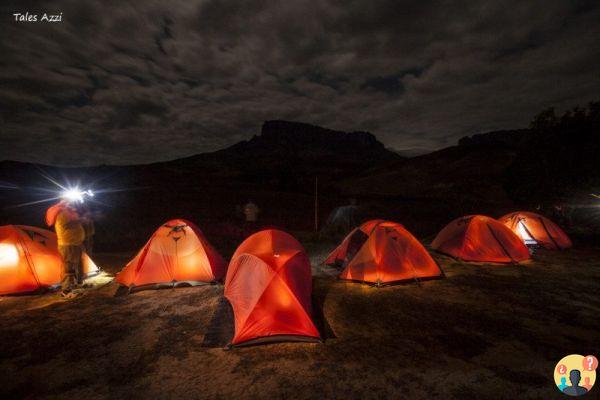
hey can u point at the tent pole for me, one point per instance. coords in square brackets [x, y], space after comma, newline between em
[30, 260]
[549, 235]
[501, 245]
[527, 230]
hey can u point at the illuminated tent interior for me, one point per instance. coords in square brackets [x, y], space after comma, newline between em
[480, 238]
[535, 229]
[29, 260]
[269, 286]
[383, 252]
[176, 254]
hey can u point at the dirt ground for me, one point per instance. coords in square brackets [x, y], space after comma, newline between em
[484, 332]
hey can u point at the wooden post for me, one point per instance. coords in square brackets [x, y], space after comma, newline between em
[316, 204]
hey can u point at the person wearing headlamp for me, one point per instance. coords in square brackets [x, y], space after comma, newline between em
[70, 236]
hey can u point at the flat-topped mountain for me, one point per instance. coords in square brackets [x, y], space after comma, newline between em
[300, 140]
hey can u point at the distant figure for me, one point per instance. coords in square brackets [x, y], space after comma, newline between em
[563, 383]
[587, 383]
[70, 236]
[251, 211]
[575, 389]
[342, 219]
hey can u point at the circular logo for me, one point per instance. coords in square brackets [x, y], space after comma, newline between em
[575, 374]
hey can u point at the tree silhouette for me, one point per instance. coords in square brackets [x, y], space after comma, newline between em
[544, 120]
[559, 157]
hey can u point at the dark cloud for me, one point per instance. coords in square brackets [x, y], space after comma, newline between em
[126, 83]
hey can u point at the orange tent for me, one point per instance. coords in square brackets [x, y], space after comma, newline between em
[269, 285]
[29, 260]
[383, 252]
[177, 253]
[535, 229]
[480, 238]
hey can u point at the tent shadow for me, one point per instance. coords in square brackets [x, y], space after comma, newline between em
[319, 296]
[221, 327]
[121, 291]
[37, 292]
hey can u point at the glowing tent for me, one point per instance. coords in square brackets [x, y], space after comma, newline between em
[480, 238]
[29, 260]
[535, 229]
[383, 252]
[269, 285]
[176, 254]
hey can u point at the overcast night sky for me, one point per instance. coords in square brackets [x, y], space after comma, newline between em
[122, 82]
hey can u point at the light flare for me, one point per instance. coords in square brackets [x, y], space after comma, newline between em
[76, 195]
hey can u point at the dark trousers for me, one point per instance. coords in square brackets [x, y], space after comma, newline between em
[89, 244]
[72, 266]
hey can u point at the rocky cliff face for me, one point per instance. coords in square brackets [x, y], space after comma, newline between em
[308, 142]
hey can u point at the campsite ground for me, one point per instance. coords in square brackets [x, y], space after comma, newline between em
[485, 332]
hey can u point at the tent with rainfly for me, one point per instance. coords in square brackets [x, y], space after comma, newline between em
[30, 261]
[269, 286]
[382, 252]
[535, 229]
[176, 254]
[480, 238]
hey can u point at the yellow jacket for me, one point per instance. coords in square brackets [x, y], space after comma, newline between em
[69, 230]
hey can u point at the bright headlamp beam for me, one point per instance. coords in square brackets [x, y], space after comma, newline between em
[76, 195]
[73, 195]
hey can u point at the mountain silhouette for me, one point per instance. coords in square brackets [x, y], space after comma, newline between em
[278, 169]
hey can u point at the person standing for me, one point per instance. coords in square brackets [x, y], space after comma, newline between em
[251, 211]
[70, 235]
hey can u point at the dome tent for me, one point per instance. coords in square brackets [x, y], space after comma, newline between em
[382, 252]
[176, 254]
[535, 229]
[30, 261]
[269, 286]
[480, 238]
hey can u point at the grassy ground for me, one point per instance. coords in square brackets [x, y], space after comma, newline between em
[485, 332]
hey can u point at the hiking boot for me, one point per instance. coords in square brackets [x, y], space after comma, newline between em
[70, 294]
[84, 285]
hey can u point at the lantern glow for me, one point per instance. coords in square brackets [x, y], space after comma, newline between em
[9, 256]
